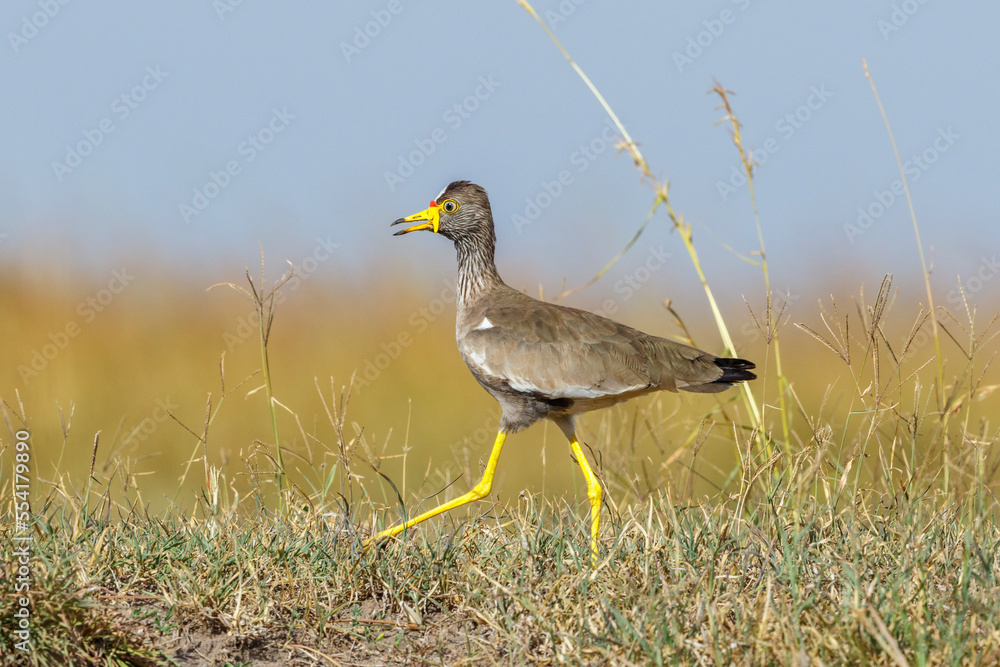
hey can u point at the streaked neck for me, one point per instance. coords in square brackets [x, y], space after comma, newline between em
[477, 272]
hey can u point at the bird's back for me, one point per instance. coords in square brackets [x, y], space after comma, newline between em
[515, 343]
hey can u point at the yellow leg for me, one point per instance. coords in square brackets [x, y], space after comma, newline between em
[479, 491]
[593, 492]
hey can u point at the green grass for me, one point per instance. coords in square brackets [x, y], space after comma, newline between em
[893, 581]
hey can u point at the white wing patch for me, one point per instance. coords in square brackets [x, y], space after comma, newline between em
[485, 324]
[525, 385]
[479, 359]
[584, 392]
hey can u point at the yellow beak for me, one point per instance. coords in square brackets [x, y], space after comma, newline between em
[431, 214]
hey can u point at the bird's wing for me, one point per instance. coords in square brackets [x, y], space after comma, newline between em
[562, 352]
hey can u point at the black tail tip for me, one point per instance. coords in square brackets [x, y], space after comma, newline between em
[735, 370]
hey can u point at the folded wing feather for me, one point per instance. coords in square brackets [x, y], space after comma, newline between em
[563, 352]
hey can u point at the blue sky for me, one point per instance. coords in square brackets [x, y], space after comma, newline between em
[191, 132]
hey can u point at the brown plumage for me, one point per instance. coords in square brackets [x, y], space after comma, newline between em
[542, 360]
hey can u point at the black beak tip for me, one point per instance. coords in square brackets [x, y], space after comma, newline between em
[398, 222]
[400, 232]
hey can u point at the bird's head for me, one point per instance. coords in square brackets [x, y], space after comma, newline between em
[461, 211]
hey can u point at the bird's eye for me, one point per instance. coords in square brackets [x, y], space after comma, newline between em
[449, 206]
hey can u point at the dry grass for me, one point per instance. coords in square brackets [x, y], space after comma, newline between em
[853, 547]
[891, 582]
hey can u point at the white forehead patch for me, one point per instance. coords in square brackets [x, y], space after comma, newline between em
[440, 193]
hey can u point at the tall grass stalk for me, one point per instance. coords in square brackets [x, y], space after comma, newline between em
[265, 303]
[683, 228]
[916, 228]
[772, 326]
[924, 270]
[201, 441]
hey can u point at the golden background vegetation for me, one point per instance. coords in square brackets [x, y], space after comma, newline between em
[157, 345]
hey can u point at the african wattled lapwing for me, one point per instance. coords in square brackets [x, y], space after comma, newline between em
[542, 360]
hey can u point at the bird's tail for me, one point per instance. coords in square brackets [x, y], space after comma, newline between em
[735, 370]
